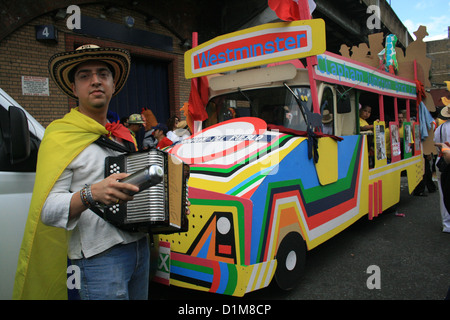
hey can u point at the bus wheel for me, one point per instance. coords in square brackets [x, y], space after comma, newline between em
[290, 257]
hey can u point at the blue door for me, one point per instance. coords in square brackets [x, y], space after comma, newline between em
[147, 87]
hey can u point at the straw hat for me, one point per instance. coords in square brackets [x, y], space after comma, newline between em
[445, 100]
[445, 111]
[182, 129]
[182, 124]
[327, 117]
[63, 65]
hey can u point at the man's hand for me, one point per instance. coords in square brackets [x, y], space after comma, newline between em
[110, 191]
[444, 148]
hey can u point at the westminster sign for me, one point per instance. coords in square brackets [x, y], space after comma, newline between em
[264, 44]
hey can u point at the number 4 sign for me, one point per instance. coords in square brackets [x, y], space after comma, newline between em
[46, 32]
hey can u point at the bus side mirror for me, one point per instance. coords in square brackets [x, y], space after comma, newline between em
[19, 135]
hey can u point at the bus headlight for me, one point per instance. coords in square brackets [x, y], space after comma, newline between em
[223, 225]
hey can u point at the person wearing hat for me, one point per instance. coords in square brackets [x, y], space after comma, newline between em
[442, 137]
[107, 263]
[135, 123]
[182, 130]
[160, 131]
[137, 120]
[327, 122]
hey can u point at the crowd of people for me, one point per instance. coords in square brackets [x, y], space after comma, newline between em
[149, 134]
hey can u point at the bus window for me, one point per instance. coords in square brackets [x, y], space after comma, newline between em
[274, 105]
[327, 104]
[293, 114]
[369, 112]
[345, 123]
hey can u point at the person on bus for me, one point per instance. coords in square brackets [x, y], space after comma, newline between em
[327, 122]
[364, 114]
[401, 118]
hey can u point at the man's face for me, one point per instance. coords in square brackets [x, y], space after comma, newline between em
[93, 85]
[134, 127]
[157, 133]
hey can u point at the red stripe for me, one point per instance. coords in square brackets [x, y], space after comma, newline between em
[375, 198]
[321, 218]
[380, 196]
[216, 279]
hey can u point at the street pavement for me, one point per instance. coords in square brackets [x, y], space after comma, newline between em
[412, 253]
[389, 258]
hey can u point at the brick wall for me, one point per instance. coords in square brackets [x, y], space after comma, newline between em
[439, 53]
[22, 55]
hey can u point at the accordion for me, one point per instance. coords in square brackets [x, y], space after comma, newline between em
[160, 208]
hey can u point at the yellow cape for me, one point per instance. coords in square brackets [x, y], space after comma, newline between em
[42, 266]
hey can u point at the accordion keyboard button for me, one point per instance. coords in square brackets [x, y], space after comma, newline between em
[114, 168]
[114, 209]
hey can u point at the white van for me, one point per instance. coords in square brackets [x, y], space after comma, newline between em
[20, 137]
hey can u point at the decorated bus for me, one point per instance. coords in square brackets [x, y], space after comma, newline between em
[280, 165]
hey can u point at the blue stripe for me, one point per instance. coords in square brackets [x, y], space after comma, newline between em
[203, 253]
[192, 274]
[223, 277]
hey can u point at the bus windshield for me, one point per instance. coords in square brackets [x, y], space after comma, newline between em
[274, 105]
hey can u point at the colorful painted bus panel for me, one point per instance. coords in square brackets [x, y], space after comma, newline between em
[265, 189]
